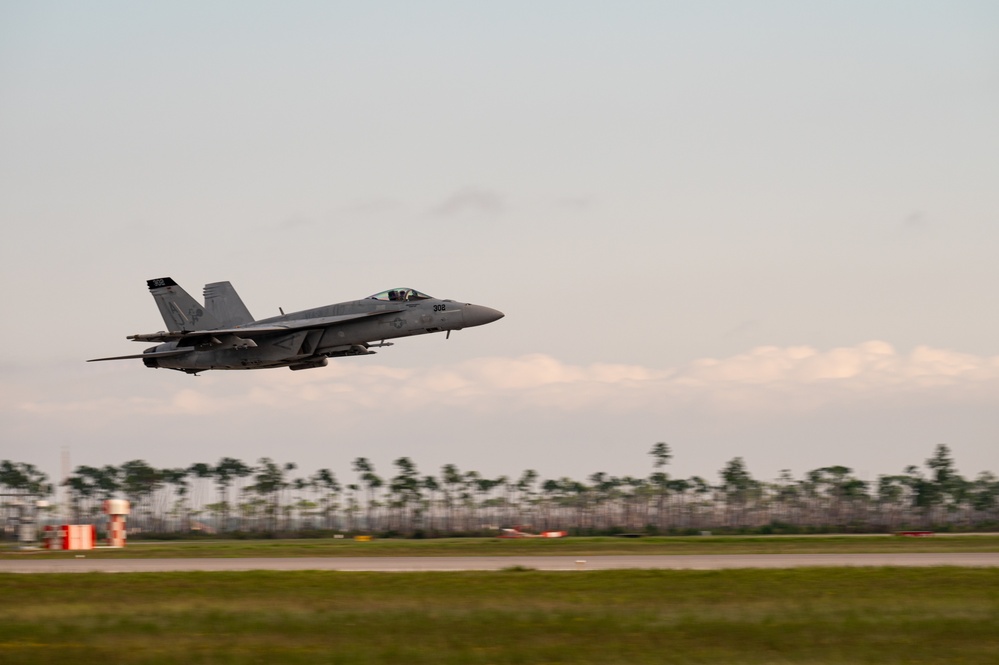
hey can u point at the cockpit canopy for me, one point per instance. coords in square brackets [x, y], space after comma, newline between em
[399, 295]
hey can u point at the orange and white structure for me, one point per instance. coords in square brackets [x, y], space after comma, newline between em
[116, 509]
[70, 537]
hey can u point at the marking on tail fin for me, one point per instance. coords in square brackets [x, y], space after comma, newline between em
[182, 315]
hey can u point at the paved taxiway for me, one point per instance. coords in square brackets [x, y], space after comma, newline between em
[84, 564]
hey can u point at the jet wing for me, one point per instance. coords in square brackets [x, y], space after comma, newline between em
[256, 332]
[155, 354]
[248, 333]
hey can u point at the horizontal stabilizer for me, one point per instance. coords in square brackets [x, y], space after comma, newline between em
[152, 354]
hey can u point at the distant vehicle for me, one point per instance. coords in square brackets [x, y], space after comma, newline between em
[221, 334]
[518, 532]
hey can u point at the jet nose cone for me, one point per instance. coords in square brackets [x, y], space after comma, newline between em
[477, 315]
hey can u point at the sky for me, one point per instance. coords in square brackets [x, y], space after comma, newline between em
[765, 230]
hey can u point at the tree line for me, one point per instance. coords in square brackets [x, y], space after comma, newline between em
[271, 498]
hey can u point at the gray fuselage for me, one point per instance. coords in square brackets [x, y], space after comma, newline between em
[313, 335]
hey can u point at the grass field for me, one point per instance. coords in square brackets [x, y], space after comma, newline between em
[838, 615]
[538, 546]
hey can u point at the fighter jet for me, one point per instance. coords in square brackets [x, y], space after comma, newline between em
[221, 334]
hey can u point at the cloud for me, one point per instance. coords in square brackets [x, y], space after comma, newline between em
[471, 200]
[763, 380]
[293, 222]
[914, 222]
[373, 206]
[576, 204]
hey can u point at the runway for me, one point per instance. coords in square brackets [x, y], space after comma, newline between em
[84, 564]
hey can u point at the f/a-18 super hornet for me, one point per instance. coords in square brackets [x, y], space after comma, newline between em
[221, 334]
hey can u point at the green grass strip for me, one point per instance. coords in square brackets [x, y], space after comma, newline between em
[808, 615]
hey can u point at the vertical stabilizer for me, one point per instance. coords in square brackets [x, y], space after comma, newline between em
[222, 302]
[180, 311]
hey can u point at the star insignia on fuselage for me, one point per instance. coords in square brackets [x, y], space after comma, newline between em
[398, 322]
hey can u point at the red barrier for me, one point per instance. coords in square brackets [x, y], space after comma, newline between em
[70, 537]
